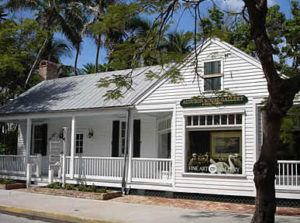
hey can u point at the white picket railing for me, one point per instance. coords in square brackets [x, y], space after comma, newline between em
[288, 176]
[96, 167]
[152, 170]
[15, 164]
[143, 169]
[12, 164]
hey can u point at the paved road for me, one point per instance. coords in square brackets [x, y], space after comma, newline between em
[13, 219]
[119, 212]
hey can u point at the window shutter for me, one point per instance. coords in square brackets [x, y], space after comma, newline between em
[136, 138]
[115, 139]
[44, 129]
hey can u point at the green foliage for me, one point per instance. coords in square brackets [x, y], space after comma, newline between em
[7, 181]
[69, 187]
[8, 142]
[54, 185]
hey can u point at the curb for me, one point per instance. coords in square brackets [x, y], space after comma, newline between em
[46, 216]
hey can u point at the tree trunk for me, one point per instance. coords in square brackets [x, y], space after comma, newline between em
[36, 61]
[265, 170]
[76, 60]
[97, 53]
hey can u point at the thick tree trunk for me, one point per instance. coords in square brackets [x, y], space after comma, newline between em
[97, 53]
[265, 170]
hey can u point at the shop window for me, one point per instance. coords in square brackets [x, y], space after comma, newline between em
[212, 76]
[217, 150]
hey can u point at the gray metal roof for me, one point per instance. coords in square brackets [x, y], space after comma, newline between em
[79, 92]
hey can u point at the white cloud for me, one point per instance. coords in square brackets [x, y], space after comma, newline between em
[233, 5]
[237, 5]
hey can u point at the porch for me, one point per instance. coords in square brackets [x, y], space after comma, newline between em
[98, 148]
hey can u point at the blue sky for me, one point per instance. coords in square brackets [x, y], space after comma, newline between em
[183, 21]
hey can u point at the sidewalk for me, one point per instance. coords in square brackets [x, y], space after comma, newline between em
[113, 211]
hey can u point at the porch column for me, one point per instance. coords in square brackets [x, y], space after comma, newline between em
[130, 143]
[72, 147]
[28, 141]
[173, 143]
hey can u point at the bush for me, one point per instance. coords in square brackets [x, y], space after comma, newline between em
[101, 190]
[69, 187]
[54, 186]
[81, 187]
[7, 181]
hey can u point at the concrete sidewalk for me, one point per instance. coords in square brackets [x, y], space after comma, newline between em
[84, 209]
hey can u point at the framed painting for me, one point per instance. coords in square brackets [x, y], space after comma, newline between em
[225, 143]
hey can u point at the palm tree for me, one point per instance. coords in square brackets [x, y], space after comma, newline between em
[53, 15]
[2, 14]
[94, 9]
[178, 42]
[56, 48]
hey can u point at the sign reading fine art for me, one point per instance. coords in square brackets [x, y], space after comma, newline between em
[214, 101]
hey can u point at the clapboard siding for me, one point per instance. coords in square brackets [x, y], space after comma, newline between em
[243, 76]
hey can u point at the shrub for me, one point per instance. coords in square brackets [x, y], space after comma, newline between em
[81, 187]
[69, 187]
[7, 181]
[101, 190]
[54, 185]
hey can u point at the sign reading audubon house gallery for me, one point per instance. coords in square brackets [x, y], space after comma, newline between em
[214, 150]
[214, 101]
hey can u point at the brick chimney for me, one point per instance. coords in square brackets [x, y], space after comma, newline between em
[47, 70]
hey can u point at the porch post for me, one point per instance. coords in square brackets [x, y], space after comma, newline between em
[130, 144]
[173, 143]
[28, 141]
[63, 157]
[72, 147]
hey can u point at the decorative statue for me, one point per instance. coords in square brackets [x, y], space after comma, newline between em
[194, 160]
[222, 167]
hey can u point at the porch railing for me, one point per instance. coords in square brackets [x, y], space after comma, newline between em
[16, 164]
[11, 164]
[288, 174]
[111, 168]
[96, 167]
[152, 170]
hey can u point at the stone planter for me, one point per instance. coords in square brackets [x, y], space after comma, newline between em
[12, 186]
[77, 194]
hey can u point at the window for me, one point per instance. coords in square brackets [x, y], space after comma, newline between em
[214, 144]
[119, 138]
[39, 140]
[79, 142]
[212, 76]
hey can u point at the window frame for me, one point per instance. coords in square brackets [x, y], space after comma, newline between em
[208, 76]
[84, 133]
[241, 128]
[32, 143]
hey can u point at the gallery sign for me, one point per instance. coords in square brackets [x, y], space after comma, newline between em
[214, 101]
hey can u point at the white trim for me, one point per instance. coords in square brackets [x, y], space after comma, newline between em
[64, 114]
[173, 143]
[28, 139]
[72, 152]
[213, 111]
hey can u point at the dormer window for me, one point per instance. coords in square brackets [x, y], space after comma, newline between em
[212, 76]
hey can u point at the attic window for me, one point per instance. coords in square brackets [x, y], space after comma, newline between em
[212, 75]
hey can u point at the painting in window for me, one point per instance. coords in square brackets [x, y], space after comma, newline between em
[214, 152]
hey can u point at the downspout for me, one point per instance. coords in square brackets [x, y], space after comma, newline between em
[125, 168]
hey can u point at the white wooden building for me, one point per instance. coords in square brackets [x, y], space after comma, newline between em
[176, 141]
